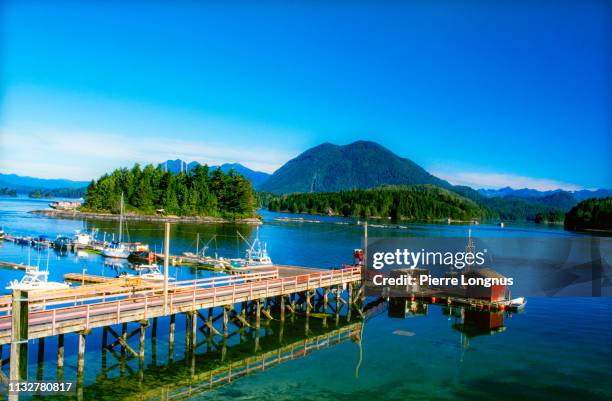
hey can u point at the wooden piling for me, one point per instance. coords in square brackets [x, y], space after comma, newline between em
[308, 303]
[225, 321]
[60, 357]
[141, 353]
[154, 330]
[282, 308]
[81, 357]
[292, 296]
[171, 338]
[194, 329]
[41, 358]
[257, 314]
[166, 258]
[19, 337]
[325, 295]
[124, 337]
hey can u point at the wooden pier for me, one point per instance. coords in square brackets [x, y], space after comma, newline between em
[243, 298]
[15, 266]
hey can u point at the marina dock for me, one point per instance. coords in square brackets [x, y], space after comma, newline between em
[14, 266]
[243, 299]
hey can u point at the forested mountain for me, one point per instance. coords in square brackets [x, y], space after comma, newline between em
[24, 184]
[196, 193]
[590, 214]
[7, 192]
[58, 193]
[359, 165]
[256, 177]
[177, 166]
[417, 202]
[529, 194]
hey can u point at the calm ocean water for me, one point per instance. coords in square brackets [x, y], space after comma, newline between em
[558, 349]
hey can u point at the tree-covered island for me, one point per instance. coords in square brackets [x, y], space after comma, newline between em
[152, 191]
[590, 214]
[416, 202]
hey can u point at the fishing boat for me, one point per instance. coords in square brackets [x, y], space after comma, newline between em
[256, 255]
[35, 279]
[117, 249]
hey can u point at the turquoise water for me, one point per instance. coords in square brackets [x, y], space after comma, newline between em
[558, 349]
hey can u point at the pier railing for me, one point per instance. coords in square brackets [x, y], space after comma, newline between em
[125, 287]
[95, 310]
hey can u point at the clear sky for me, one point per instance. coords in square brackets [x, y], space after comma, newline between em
[481, 93]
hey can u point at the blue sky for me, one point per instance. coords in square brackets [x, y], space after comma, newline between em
[481, 93]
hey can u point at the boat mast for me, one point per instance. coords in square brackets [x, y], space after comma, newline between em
[121, 218]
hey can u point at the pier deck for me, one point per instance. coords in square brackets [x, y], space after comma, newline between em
[67, 313]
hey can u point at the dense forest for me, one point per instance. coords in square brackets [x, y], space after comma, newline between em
[417, 202]
[151, 190]
[590, 214]
[7, 192]
[549, 208]
[58, 193]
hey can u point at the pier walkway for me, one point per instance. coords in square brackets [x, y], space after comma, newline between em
[242, 297]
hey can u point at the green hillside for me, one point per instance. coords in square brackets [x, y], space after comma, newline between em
[418, 202]
[590, 214]
[359, 165]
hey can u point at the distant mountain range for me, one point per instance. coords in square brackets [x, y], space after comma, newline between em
[25, 184]
[359, 165]
[256, 177]
[526, 193]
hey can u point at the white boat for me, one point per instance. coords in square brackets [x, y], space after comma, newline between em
[35, 279]
[149, 273]
[256, 255]
[517, 302]
[82, 238]
[117, 249]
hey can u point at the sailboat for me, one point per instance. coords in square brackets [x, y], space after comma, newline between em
[117, 249]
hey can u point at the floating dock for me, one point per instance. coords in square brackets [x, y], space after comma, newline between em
[15, 266]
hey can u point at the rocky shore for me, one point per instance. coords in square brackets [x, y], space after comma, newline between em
[75, 214]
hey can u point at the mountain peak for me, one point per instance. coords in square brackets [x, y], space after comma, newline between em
[178, 165]
[361, 164]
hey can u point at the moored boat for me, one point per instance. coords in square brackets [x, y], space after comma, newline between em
[62, 242]
[117, 249]
[149, 272]
[35, 279]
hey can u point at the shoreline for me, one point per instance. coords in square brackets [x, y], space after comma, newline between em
[73, 214]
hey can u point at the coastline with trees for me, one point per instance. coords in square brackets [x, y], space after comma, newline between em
[152, 194]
